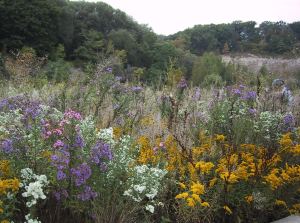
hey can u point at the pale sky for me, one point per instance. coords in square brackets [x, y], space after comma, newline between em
[170, 16]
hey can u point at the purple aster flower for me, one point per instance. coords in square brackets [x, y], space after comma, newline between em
[252, 111]
[289, 122]
[250, 95]
[236, 92]
[136, 89]
[101, 152]
[197, 94]
[87, 194]
[58, 143]
[70, 114]
[79, 142]
[60, 175]
[82, 173]
[182, 84]
[109, 69]
[7, 146]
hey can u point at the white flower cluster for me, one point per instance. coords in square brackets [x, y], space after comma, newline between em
[29, 220]
[34, 190]
[145, 182]
[107, 135]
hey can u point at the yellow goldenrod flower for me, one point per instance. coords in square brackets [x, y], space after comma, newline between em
[197, 188]
[249, 198]
[182, 185]
[227, 210]
[280, 203]
[196, 197]
[212, 182]
[204, 167]
[220, 138]
[182, 195]
[205, 204]
[190, 202]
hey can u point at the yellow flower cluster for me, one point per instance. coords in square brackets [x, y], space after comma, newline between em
[4, 169]
[10, 184]
[280, 176]
[192, 197]
[204, 167]
[147, 154]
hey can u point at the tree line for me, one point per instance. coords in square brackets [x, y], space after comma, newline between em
[87, 31]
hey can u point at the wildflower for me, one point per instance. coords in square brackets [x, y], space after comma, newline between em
[205, 204]
[82, 173]
[182, 84]
[182, 185]
[227, 210]
[212, 182]
[182, 195]
[249, 198]
[58, 143]
[220, 138]
[197, 188]
[236, 92]
[87, 194]
[280, 203]
[196, 197]
[150, 208]
[250, 95]
[190, 202]
[204, 167]
[7, 146]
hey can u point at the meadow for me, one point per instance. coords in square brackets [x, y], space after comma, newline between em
[98, 148]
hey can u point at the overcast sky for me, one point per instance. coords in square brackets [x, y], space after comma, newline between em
[170, 16]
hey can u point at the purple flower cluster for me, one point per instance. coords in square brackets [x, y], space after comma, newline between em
[100, 153]
[7, 146]
[58, 143]
[82, 173]
[182, 84]
[70, 114]
[289, 122]
[63, 193]
[29, 109]
[250, 95]
[79, 142]
[197, 94]
[61, 160]
[136, 89]
[87, 194]
[236, 92]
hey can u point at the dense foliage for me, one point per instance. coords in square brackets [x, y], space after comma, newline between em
[87, 32]
[94, 148]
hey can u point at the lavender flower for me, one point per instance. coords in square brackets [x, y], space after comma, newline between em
[7, 146]
[252, 111]
[60, 175]
[289, 122]
[236, 92]
[87, 194]
[101, 152]
[82, 173]
[79, 142]
[58, 143]
[182, 84]
[197, 94]
[109, 69]
[70, 114]
[136, 89]
[250, 95]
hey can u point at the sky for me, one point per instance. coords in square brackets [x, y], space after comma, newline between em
[170, 16]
